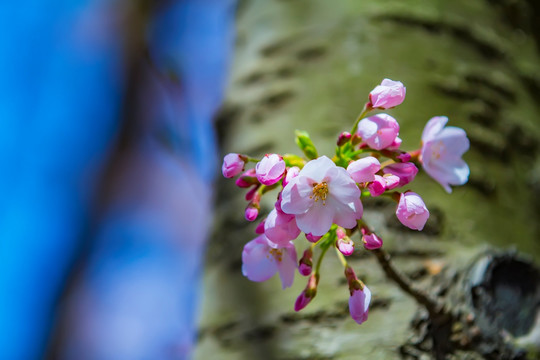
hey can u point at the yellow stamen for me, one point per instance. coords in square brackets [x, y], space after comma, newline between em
[277, 254]
[437, 149]
[320, 191]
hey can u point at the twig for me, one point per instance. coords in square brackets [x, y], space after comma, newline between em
[432, 305]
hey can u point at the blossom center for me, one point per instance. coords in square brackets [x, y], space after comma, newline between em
[436, 150]
[277, 254]
[320, 191]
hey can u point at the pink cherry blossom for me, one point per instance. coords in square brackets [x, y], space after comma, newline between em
[387, 95]
[442, 149]
[320, 195]
[344, 138]
[312, 238]
[378, 131]
[261, 259]
[305, 265]
[291, 173]
[247, 179]
[302, 301]
[412, 211]
[345, 246]
[251, 213]
[308, 293]
[363, 170]
[270, 169]
[250, 195]
[233, 164]
[260, 228]
[404, 157]
[396, 144]
[377, 186]
[371, 240]
[392, 181]
[280, 228]
[405, 171]
[359, 304]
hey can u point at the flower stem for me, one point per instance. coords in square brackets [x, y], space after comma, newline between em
[341, 258]
[250, 159]
[432, 305]
[319, 261]
[365, 110]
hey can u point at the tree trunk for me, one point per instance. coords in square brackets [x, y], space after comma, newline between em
[309, 65]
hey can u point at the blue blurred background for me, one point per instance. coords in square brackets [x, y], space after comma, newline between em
[107, 153]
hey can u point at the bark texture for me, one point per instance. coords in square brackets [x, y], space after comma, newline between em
[309, 65]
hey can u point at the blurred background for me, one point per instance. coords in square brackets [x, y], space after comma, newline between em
[114, 115]
[109, 155]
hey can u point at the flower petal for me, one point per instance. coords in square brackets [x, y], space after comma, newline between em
[342, 187]
[316, 169]
[433, 127]
[295, 197]
[455, 140]
[287, 266]
[257, 262]
[317, 220]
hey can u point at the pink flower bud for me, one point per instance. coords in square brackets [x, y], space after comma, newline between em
[260, 228]
[412, 211]
[387, 95]
[340, 233]
[304, 269]
[308, 294]
[312, 238]
[350, 275]
[292, 172]
[363, 170]
[371, 240]
[404, 157]
[270, 169]
[396, 144]
[233, 164]
[405, 171]
[247, 179]
[301, 301]
[345, 246]
[306, 263]
[251, 213]
[251, 193]
[377, 186]
[344, 138]
[392, 181]
[359, 304]
[378, 131]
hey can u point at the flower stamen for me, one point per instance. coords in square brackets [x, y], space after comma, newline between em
[320, 191]
[277, 254]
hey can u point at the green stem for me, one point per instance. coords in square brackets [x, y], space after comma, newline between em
[363, 114]
[319, 261]
[341, 258]
[250, 159]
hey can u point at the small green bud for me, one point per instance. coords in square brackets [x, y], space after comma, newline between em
[294, 160]
[306, 145]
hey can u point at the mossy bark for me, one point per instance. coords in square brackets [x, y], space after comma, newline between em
[309, 65]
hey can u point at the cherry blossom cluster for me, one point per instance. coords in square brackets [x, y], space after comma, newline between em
[322, 196]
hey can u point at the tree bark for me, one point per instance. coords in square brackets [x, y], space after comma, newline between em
[309, 65]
